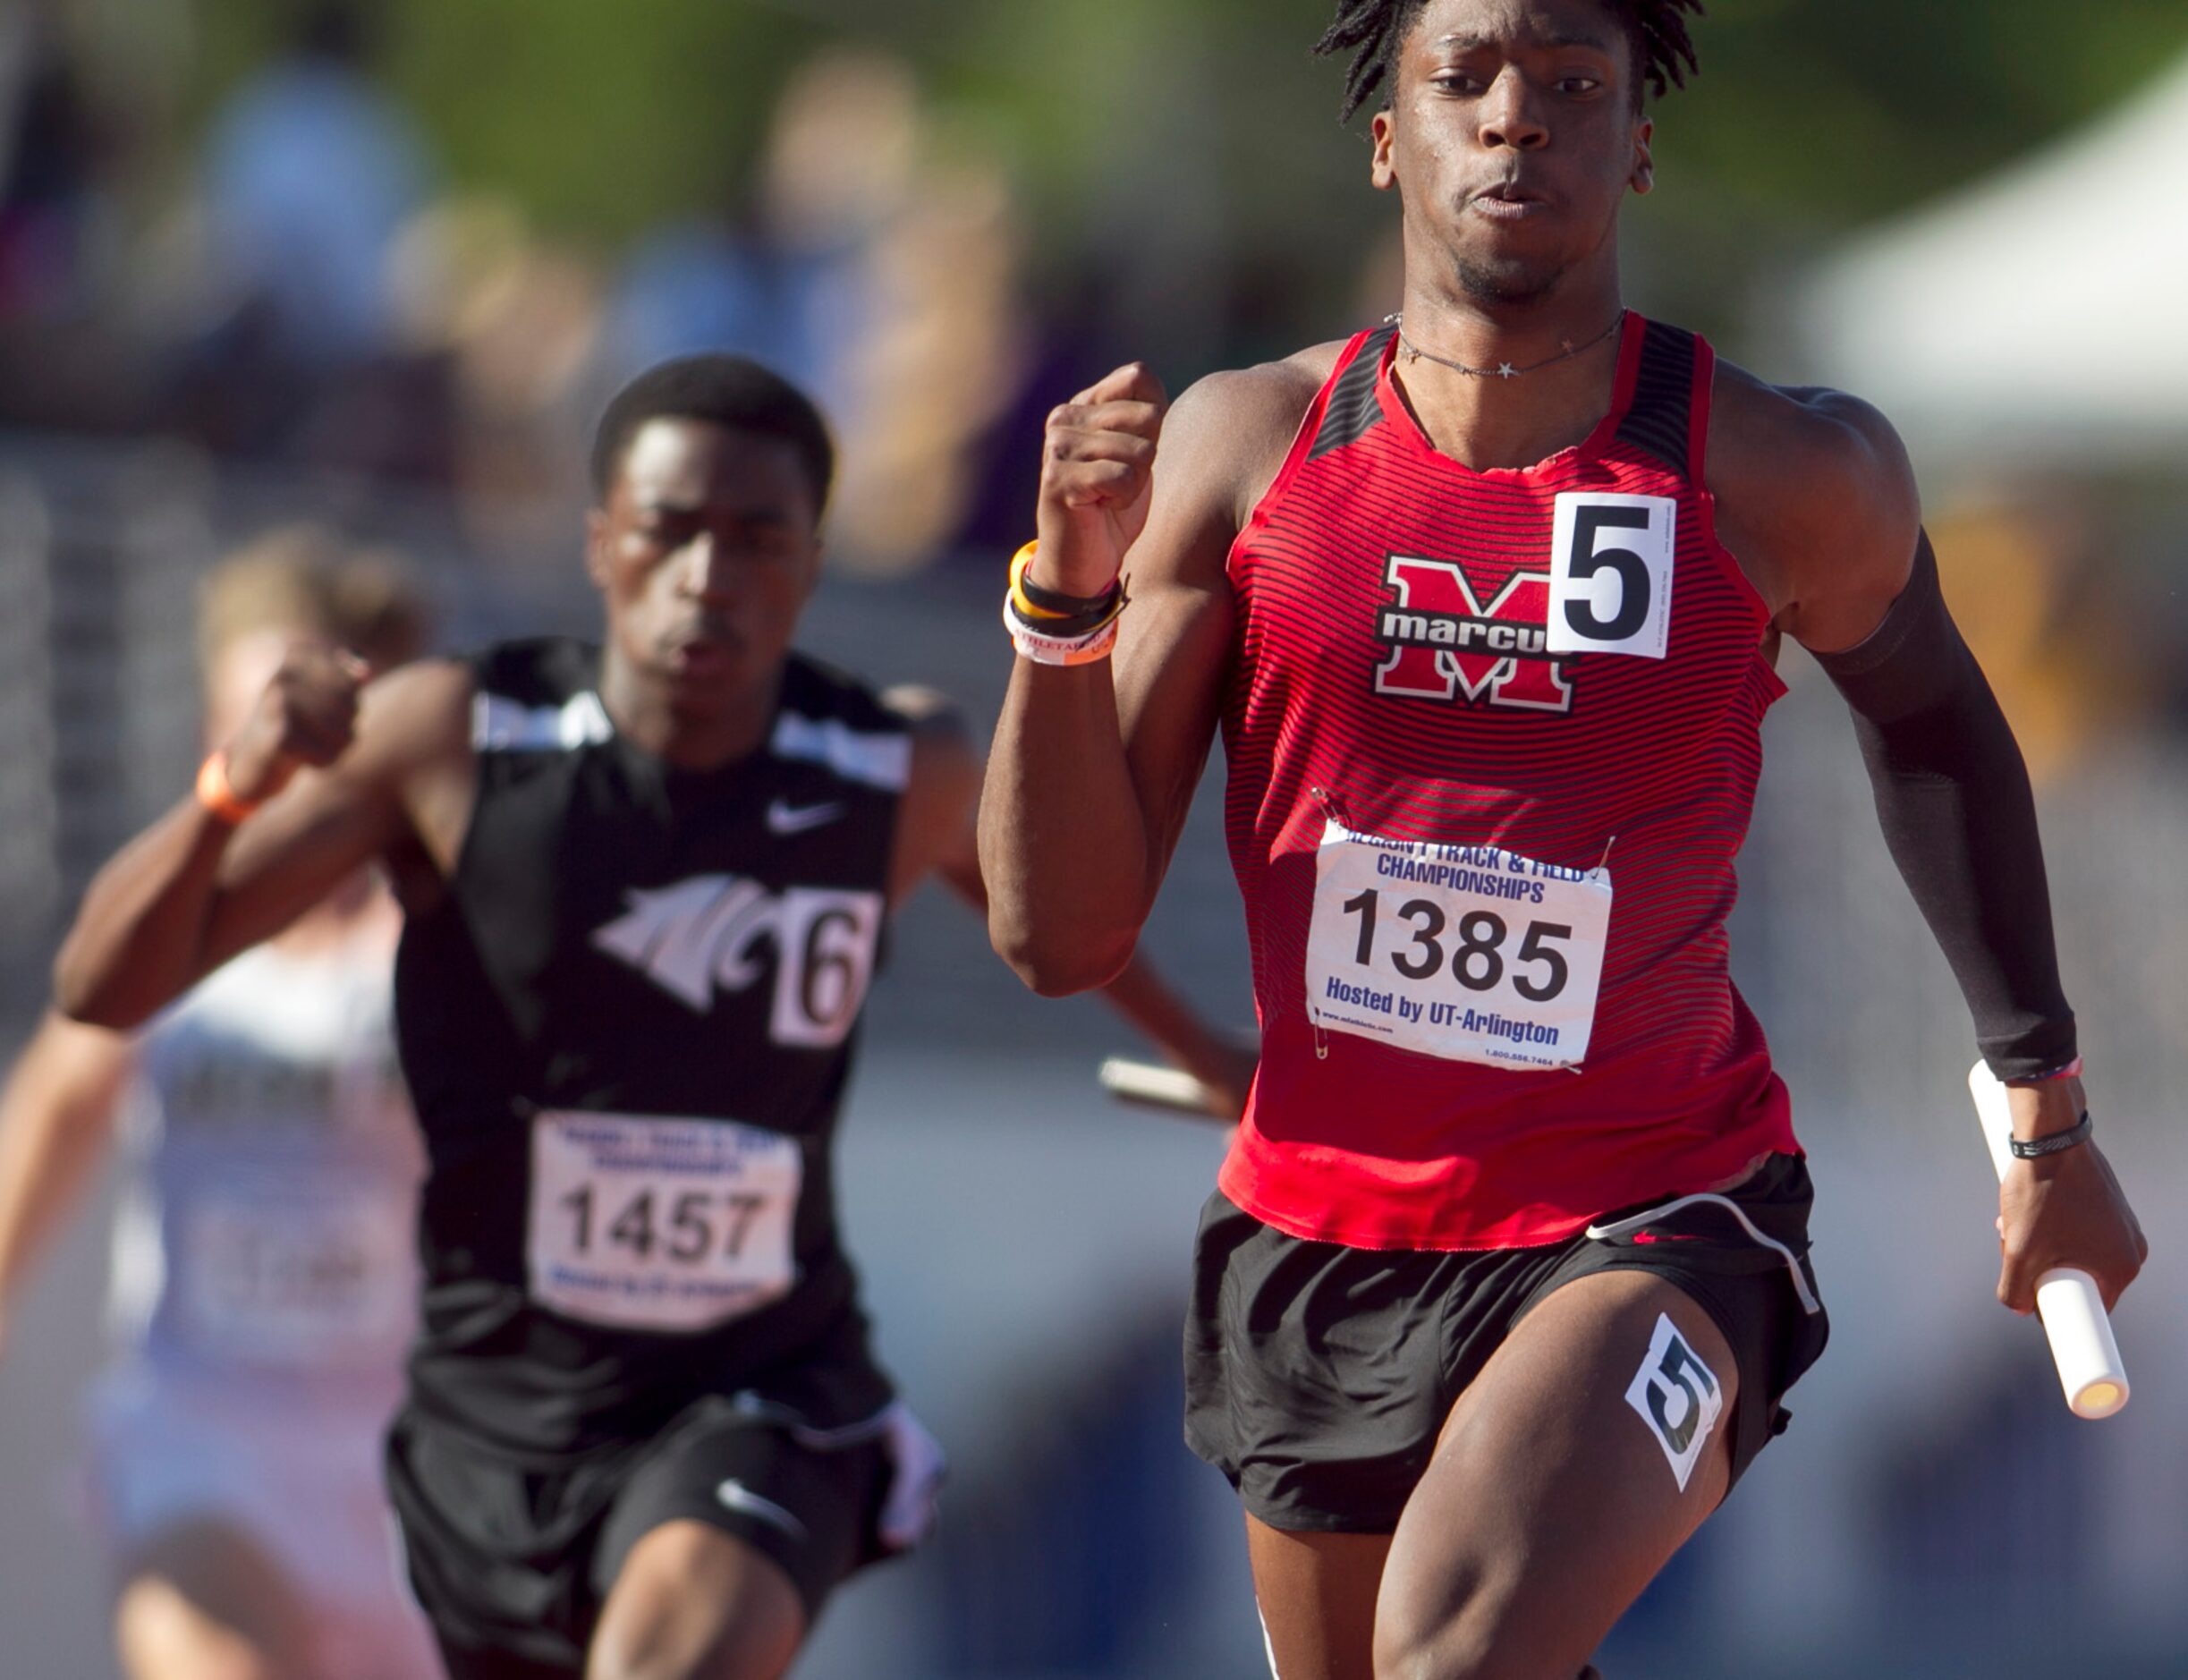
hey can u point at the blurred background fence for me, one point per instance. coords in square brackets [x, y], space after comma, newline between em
[261, 263]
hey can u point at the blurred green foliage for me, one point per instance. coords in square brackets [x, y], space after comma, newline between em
[1809, 116]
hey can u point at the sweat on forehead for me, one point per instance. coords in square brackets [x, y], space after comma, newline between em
[1375, 32]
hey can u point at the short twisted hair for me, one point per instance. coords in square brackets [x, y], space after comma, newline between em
[1373, 30]
[729, 391]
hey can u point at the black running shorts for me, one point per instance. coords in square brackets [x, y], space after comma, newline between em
[512, 1558]
[1318, 1377]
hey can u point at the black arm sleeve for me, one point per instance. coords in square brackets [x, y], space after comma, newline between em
[1953, 796]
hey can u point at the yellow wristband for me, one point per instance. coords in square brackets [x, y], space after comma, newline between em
[217, 794]
[1018, 563]
[1058, 608]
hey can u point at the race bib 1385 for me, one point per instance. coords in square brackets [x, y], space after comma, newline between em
[1472, 954]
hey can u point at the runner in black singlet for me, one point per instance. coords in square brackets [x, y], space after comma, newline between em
[645, 885]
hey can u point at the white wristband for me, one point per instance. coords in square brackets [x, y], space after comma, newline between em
[1045, 650]
[1056, 650]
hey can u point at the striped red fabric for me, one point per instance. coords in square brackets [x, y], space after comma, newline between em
[1647, 765]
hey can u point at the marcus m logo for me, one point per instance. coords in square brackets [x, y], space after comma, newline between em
[1446, 643]
[711, 934]
[1609, 591]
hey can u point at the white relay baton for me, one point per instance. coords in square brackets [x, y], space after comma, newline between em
[2067, 1299]
[1153, 1086]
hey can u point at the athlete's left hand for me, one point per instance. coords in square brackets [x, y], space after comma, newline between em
[2064, 1209]
[918, 1471]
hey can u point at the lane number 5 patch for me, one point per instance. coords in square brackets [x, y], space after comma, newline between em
[1678, 1397]
[1611, 575]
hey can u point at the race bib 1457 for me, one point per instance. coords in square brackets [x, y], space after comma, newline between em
[649, 1223]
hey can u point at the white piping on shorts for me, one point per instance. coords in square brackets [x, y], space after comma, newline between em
[1267, 1644]
[1626, 1228]
[734, 1496]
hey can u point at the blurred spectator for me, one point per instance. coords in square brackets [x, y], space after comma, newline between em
[49, 169]
[311, 173]
[519, 319]
[946, 350]
[722, 285]
[61, 360]
[875, 268]
[784, 276]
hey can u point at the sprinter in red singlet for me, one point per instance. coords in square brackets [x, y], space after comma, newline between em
[1506, 1273]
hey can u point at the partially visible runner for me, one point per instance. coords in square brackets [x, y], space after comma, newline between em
[1506, 1273]
[646, 886]
[265, 1283]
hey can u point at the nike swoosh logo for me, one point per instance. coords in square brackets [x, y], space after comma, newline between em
[784, 818]
[734, 1496]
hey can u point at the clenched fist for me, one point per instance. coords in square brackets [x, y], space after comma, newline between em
[1096, 469]
[307, 715]
[2064, 1209]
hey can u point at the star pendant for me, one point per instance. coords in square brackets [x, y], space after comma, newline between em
[1505, 370]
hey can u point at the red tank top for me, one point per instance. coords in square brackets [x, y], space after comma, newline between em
[1493, 736]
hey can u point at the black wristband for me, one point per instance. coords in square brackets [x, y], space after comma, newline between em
[1066, 605]
[1065, 629]
[2057, 1143]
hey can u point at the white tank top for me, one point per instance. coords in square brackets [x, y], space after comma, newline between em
[267, 1223]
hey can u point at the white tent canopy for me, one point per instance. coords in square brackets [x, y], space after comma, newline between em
[2042, 313]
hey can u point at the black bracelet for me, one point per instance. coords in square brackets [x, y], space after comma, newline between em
[1066, 605]
[2057, 1143]
[1062, 628]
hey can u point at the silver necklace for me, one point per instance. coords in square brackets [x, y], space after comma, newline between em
[1502, 369]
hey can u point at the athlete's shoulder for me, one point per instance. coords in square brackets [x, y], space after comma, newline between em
[942, 746]
[1256, 406]
[417, 711]
[924, 710]
[1810, 483]
[1231, 430]
[828, 718]
[535, 670]
[814, 688]
[1268, 390]
[1794, 444]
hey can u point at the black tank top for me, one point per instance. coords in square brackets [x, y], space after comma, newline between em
[627, 1029]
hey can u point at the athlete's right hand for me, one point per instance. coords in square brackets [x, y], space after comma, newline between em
[1097, 464]
[916, 1470]
[307, 715]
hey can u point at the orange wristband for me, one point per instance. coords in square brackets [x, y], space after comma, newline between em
[217, 795]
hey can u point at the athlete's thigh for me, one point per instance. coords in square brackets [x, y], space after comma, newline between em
[201, 1600]
[1317, 1597]
[693, 1602]
[1589, 1448]
[769, 1526]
